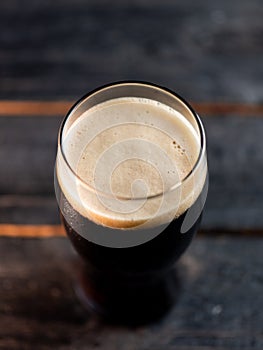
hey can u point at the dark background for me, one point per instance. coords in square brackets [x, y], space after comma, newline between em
[206, 50]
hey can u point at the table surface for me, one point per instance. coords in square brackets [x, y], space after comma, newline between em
[51, 53]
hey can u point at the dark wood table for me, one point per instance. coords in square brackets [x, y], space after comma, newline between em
[51, 53]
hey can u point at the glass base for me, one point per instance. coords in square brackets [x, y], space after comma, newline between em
[128, 299]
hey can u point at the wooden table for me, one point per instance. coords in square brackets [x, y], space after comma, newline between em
[51, 53]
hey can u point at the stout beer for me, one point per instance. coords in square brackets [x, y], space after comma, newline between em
[131, 182]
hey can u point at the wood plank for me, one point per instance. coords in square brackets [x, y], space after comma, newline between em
[63, 49]
[29, 231]
[29, 209]
[60, 108]
[28, 151]
[219, 306]
[46, 231]
[28, 155]
[34, 108]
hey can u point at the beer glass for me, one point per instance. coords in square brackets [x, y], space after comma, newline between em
[131, 183]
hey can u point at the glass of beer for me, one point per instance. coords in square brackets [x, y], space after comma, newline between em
[131, 182]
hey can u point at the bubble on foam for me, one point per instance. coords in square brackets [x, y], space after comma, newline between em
[156, 147]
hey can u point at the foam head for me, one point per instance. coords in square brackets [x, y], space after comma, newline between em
[128, 163]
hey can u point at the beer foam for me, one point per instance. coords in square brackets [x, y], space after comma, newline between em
[128, 153]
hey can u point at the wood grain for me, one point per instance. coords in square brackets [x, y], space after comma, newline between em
[219, 305]
[29, 231]
[46, 231]
[34, 108]
[60, 108]
[53, 52]
[203, 50]
[235, 148]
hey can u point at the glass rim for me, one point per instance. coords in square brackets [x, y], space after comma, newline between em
[202, 150]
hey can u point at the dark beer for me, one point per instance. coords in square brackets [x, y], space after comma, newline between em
[130, 239]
